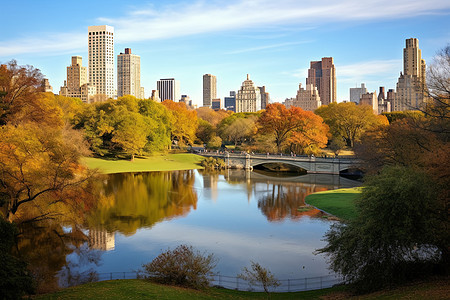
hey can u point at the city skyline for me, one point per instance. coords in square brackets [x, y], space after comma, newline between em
[273, 42]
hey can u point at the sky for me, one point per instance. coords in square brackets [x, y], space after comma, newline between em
[272, 41]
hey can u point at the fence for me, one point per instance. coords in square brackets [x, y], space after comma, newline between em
[236, 283]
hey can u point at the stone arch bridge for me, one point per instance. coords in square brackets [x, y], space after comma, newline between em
[313, 165]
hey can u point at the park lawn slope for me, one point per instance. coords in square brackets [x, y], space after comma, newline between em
[340, 203]
[164, 162]
[141, 289]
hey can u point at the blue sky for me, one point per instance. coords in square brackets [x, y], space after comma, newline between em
[273, 41]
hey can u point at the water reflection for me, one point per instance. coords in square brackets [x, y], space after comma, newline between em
[134, 200]
[237, 215]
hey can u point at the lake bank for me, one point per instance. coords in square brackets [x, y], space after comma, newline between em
[339, 203]
[160, 162]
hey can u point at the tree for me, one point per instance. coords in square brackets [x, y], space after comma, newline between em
[212, 116]
[131, 134]
[205, 131]
[259, 275]
[19, 86]
[39, 168]
[395, 236]
[302, 128]
[349, 121]
[240, 130]
[182, 266]
[183, 122]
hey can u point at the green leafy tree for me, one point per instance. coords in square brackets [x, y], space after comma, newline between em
[349, 121]
[131, 134]
[395, 236]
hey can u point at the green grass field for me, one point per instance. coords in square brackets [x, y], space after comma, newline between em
[340, 203]
[141, 289]
[164, 162]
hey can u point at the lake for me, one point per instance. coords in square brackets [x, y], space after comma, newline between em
[239, 216]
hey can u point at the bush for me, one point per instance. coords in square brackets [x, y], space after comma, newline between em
[211, 163]
[182, 266]
[260, 275]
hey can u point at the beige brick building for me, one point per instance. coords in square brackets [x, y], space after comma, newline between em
[307, 99]
[129, 75]
[209, 89]
[410, 93]
[248, 98]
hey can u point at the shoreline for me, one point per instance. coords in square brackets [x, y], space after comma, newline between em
[160, 162]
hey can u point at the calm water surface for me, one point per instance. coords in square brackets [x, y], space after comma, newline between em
[239, 216]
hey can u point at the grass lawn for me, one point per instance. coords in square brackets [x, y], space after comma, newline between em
[340, 203]
[164, 162]
[141, 289]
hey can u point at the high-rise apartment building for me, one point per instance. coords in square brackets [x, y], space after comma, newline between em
[322, 75]
[76, 84]
[129, 74]
[371, 100]
[307, 99]
[101, 59]
[265, 98]
[410, 93]
[230, 102]
[169, 89]
[356, 93]
[248, 98]
[216, 104]
[209, 89]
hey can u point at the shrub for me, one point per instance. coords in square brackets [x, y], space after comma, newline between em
[182, 266]
[260, 275]
[211, 163]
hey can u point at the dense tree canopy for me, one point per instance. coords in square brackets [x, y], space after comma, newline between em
[303, 130]
[183, 122]
[349, 121]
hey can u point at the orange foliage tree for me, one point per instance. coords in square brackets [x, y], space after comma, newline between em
[183, 122]
[305, 131]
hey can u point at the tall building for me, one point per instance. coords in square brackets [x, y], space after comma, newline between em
[410, 93]
[356, 93]
[209, 89]
[169, 89]
[216, 104]
[322, 74]
[307, 99]
[371, 100]
[265, 98]
[129, 74]
[76, 84]
[101, 59]
[248, 98]
[230, 102]
[46, 87]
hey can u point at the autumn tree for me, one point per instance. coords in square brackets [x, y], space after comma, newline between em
[212, 116]
[349, 121]
[39, 167]
[19, 86]
[304, 130]
[183, 122]
[240, 129]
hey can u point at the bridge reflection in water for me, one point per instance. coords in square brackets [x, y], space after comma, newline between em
[278, 195]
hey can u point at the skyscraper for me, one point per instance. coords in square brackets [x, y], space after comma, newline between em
[169, 89]
[307, 99]
[322, 75]
[265, 98]
[101, 59]
[356, 93]
[129, 74]
[248, 98]
[76, 84]
[411, 83]
[209, 89]
[230, 102]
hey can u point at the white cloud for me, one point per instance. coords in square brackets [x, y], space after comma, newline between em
[202, 17]
[253, 49]
[369, 68]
